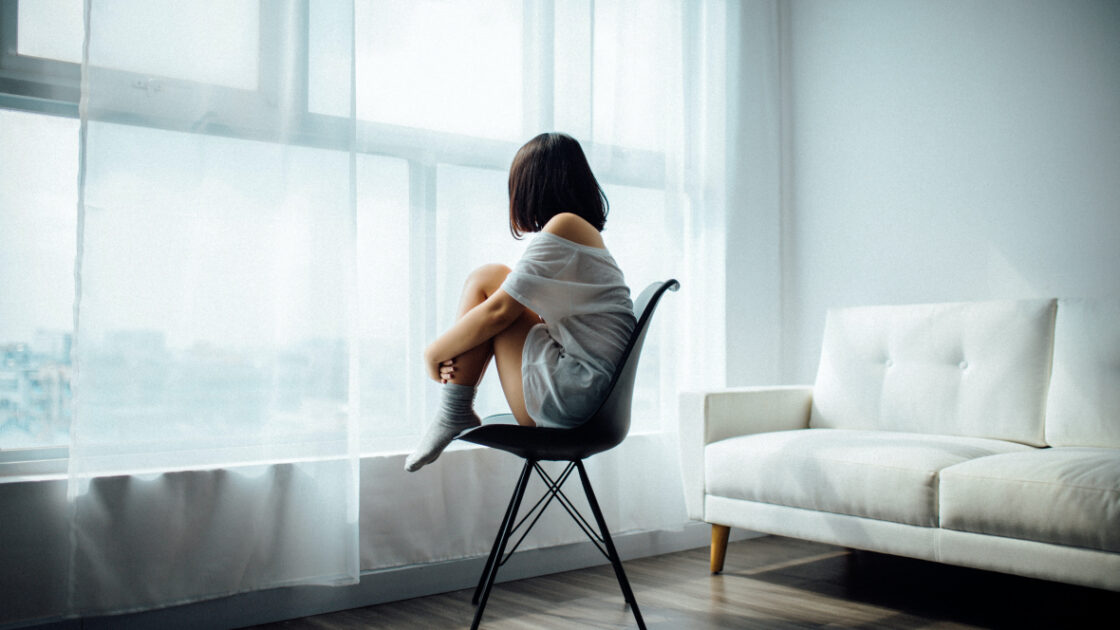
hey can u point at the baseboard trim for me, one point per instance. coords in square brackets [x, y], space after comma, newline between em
[378, 587]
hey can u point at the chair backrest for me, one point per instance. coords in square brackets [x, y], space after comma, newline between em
[610, 423]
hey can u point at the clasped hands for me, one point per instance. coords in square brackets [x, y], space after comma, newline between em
[442, 371]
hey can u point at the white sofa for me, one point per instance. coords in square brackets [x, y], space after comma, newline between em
[979, 434]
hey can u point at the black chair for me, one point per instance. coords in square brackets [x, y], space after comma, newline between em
[605, 429]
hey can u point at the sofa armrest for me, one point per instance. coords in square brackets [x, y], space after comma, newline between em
[710, 416]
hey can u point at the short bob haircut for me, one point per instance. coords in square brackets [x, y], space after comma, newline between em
[550, 175]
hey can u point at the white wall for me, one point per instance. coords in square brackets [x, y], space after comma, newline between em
[945, 151]
[753, 250]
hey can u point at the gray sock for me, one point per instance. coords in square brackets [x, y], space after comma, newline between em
[456, 414]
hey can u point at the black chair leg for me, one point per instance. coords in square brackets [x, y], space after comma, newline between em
[616, 562]
[497, 539]
[499, 550]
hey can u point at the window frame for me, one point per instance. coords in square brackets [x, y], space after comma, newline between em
[34, 84]
[53, 87]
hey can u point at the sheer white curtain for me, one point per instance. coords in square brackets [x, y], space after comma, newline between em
[214, 446]
[280, 202]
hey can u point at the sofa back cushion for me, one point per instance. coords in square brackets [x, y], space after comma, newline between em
[976, 369]
[1083, 408]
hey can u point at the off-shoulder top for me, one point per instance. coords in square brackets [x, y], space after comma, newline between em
[581, 295]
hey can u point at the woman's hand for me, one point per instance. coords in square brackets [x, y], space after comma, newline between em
[446, 371]
[442, 371]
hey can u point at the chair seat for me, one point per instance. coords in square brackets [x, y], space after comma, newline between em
[537, 443]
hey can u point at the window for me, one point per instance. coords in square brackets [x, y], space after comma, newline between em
[223, 37]
[443, 66]
[38, 198]
[50, 29]
[446, 93]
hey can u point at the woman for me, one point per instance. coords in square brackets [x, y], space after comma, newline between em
[557, 323]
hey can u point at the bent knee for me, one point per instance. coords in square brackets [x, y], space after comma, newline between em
[489, 277]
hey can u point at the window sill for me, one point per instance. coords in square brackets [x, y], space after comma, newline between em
[53, 463]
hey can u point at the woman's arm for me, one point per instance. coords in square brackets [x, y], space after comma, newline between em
[477, 326]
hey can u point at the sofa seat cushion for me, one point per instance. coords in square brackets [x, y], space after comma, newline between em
[1066, 496]
[883, 475]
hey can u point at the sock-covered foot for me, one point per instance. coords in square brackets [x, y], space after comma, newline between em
[456, 414]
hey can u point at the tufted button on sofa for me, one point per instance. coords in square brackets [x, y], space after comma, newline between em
[981, 434]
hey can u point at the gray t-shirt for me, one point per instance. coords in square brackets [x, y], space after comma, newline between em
[581, 295]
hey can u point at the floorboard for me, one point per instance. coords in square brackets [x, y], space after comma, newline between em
[768, 582]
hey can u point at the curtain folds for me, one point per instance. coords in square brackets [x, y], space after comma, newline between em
[214, 441]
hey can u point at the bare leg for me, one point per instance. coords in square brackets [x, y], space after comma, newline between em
[507, 350]
[480, 284]
[506, 346]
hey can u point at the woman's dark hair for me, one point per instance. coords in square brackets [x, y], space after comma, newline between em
[550, 175]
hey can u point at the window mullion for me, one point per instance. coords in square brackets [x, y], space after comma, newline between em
[422, 269]
[537, 70]
[284, 82]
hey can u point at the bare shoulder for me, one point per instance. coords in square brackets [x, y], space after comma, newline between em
[574, 228]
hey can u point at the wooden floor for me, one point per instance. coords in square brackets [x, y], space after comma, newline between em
[767, 582]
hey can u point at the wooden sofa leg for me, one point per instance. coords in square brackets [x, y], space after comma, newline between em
[719, 546]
